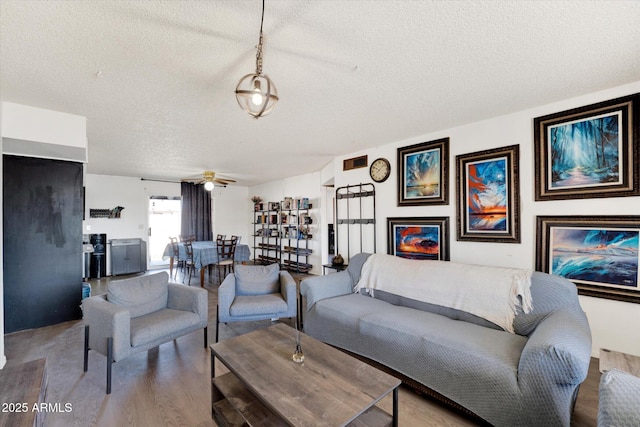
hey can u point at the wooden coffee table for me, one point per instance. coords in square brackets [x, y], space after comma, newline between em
[265, 387]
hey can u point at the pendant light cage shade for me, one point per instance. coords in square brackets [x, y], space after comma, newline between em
[256, 94]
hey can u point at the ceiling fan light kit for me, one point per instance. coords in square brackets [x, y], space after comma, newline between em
[256, 93]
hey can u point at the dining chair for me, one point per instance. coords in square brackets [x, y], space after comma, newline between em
[189, 264]
[226, 250]
[221, 237]
[176, 255]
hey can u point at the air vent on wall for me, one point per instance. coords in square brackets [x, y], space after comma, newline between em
[355, 163]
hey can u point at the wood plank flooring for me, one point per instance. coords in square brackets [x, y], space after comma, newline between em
[169, 385]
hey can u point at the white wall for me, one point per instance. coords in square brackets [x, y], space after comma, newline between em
[307, 185]
[107, 192]
[613, 323]
[231, 214]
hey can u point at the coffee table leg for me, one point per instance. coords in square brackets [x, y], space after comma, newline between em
[395, 407]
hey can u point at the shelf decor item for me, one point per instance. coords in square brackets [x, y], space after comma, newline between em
[488, 196]
[337, 260]
[588, 152]
[423, 173]
[597, 253]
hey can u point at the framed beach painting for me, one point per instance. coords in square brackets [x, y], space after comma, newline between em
[589, 151]
[423, 173]
[419, 237]
[488, 195]
[599, 254]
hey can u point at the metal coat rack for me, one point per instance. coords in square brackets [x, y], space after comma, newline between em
[350, 219]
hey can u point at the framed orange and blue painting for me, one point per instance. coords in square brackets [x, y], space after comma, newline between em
[488, 195]
[598, 253]
[425, 238]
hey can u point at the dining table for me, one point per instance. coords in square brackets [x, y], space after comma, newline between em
[205, 253]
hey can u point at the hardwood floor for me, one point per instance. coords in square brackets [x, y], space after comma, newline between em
[169, 385]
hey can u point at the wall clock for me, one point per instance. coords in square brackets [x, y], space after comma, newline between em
[380, 170]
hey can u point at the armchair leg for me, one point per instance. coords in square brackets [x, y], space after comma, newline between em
[206, 338]
[109, 362]
[217, 321]
[86, 348]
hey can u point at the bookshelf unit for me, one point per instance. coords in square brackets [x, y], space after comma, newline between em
[266, 233]
[295, 227]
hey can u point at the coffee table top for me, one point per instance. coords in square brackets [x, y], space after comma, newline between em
[330, 388]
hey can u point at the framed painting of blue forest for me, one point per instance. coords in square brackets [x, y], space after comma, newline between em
[589, 151]
[419, 238]
[488, 195]
[599, 254]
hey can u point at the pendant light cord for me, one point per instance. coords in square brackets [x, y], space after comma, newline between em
[259, 52]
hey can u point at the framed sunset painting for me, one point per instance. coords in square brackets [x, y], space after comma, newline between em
[419, 238]
[599, 254]
[488, 196]
[423, 173]
[589, 151]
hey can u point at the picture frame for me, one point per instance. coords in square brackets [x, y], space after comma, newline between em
[425, 238]
[588, 152]
[423, 173]
[597, 253]
[488, 195]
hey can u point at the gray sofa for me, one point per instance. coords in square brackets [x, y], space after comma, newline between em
[139, 314]
[529, 378]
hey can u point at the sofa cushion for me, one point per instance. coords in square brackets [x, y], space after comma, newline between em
[141, 295]
[257, 280]
[257, 305]
[158, 324]
[451, 313]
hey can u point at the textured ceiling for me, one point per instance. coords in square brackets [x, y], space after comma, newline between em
[155, 79]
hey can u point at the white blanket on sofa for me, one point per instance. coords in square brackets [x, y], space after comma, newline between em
[493, 293]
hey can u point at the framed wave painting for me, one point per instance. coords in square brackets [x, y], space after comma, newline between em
[589, 151]
[419, 238]
[599, 254]
[488, 196]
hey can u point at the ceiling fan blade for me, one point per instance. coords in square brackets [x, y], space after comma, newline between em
[223, 180]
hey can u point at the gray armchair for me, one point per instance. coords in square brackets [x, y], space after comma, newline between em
[256, 293]
[139, 314]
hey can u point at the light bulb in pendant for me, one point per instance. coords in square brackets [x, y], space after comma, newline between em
[256, 98]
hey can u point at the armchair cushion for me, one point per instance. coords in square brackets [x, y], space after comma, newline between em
[141, 295]
[257, 280]
[257, 305]
[150, 327]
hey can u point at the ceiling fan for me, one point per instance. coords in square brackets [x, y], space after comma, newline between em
[209, 179]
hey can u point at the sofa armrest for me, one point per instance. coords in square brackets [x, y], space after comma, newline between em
[558, 349]
[226, 295]
[107, 320]
[186, 298]
[331, 285]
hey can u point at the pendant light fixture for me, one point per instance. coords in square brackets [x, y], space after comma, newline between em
[256, 93]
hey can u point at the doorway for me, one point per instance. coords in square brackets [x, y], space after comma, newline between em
[164, 222]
